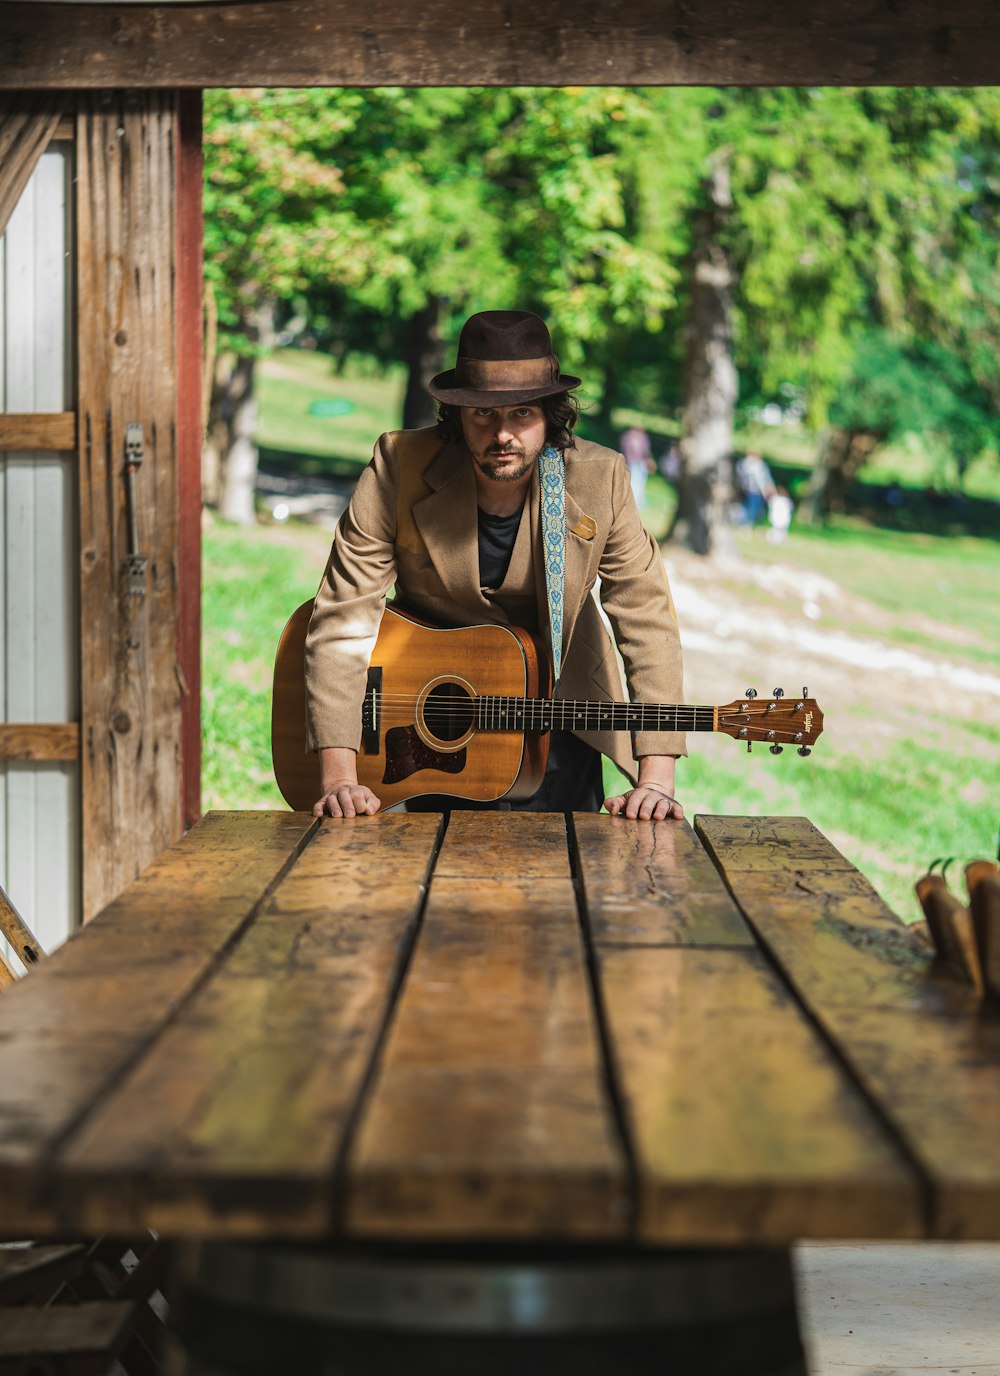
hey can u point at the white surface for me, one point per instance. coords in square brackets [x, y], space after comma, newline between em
[900, 1308]
[39, 679]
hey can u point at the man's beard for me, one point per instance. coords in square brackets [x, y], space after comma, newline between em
[500, 471]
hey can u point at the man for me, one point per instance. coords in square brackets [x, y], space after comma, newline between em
[451, 515]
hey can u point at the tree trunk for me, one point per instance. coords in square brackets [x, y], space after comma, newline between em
[229, 458]
[239, 466]
[840, 456]
[711, 385]
[423, 355]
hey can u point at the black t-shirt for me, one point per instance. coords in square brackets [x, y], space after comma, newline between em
[497, 536]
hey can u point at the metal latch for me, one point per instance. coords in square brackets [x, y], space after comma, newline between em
[135, 563]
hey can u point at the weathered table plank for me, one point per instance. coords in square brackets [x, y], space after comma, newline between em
[521, 845]
[924, 1049]
[746, 1129]
[489, 1115]
[73, 1027]
[238, 1112]
[649, 885]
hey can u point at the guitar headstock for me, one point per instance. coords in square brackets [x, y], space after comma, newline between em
[775, 722]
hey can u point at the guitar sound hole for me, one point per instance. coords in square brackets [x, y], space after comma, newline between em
[448, 712]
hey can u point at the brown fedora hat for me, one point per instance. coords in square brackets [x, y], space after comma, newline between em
[503, 357]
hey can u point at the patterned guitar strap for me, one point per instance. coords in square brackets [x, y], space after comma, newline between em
[552, 475]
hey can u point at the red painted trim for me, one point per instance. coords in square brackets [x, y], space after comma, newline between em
[189, 437]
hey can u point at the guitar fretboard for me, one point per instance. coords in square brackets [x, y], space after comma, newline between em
[545, 714]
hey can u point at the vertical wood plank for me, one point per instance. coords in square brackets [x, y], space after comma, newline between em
[189, 438]
[127, 312]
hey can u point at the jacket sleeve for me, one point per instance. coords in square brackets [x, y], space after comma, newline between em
[636, 596]
[349, 605]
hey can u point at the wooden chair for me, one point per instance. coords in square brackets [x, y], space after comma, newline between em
[76, 1308]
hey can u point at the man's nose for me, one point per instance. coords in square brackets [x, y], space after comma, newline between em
[503, 433]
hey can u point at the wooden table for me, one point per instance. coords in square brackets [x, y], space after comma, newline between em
[507, 1029]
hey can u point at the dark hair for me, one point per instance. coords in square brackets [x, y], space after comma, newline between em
[561, 414]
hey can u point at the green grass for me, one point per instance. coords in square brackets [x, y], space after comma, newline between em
[291, 379]
[251, 587]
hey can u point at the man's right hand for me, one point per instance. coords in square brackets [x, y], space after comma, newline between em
[347, 800]
[343, 796]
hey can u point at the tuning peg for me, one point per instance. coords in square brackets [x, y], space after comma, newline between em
[778, 693]
[805, 692]
[751, 693]
[804, 750]
[749, 746]
[776, 749]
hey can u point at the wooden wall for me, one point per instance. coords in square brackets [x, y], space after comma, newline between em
[502, 43]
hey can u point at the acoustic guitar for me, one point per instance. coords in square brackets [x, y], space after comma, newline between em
[477, 729]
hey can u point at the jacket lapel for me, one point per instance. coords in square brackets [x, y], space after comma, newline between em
[448, 523]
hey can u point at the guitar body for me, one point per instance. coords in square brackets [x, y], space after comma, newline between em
[423, 739]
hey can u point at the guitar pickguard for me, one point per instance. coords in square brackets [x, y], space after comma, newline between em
[407, 754]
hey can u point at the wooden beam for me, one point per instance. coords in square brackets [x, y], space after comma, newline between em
[42, 432]
[497, 42]
[39, 741]
[189, 438]
[27, 123]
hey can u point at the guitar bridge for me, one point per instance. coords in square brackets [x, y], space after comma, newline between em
[371, 713]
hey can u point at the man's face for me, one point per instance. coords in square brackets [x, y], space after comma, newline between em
[504, 441]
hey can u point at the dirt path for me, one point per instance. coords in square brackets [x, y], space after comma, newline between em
[746, 625]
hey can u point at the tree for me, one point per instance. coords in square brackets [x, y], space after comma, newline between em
[867, 245]
[850, 211]
[274, 225]
[895, 391]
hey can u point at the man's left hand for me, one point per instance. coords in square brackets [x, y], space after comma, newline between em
[645, 801]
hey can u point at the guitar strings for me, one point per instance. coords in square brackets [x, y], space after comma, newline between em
[485, 710]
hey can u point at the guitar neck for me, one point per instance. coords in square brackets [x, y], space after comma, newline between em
[547, 714]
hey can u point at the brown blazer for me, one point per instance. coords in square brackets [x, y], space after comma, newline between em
[412, 522]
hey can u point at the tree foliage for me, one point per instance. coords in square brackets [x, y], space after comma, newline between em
[860, 241]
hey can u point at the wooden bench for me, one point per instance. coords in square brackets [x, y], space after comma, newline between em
[575, 1036]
